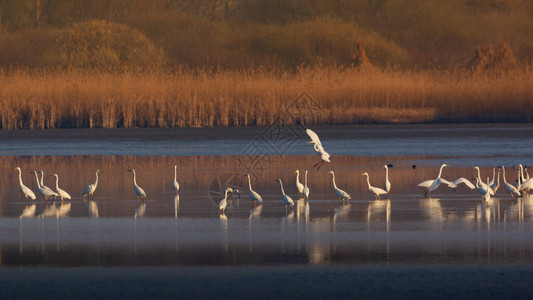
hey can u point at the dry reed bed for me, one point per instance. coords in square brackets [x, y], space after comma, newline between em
[91, 99]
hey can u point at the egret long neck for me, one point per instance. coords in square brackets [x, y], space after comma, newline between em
[175, 174]
[386, 173]
[333, 178]
[42, 177]
[96, 182]
[37, 179]
[134, 180]
[503, 174]
[282, 191]
[20, 177]
[368, 181]
[57, 182]
[297, 178]
[493, 175]
[440, 171]
[249, 182]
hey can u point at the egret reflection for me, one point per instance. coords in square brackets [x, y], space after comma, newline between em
[28, 211]
[91, 208]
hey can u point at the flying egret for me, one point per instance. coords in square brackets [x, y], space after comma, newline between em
[317, 145]
[286, 199]
[62, 194]
[374, 190]
[175, 184]
[46, 193]
[253, 194]
[26, 192]
[387, 184]
[430, 185]
[481, 183]
[138, 190]
[222, 205]
[511, 189]
[306, 188]
[340, 193]
[299, 185]
[89, 190]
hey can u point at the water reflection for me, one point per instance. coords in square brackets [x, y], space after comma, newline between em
[91, 208]
[140, 210]
[28, 211]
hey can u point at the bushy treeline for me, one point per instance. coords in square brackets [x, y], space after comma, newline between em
[243, 33]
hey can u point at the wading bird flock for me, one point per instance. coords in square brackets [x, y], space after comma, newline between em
[521, 187]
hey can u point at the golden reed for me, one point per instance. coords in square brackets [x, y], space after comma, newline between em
[199, 97]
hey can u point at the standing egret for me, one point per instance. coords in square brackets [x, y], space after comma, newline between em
[62, 194]
[222, 205]
[317, 145]
[253, 194]
[340, 193]
[430, 185]
[306, 188]
[483, 184]
[482, 189]
[175, 184]
[42, 181]
[374, 190]
[89, 190]
[26, 192]
[387, 184]
[299, 185]
[286, 199]
[138, 190]
[511, 189]
[45, 192]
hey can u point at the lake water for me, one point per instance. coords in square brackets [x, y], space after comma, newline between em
[405, 228]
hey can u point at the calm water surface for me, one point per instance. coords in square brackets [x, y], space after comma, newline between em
[405, 228]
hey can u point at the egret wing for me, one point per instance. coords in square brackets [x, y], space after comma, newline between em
[314, 137]
[465, 182]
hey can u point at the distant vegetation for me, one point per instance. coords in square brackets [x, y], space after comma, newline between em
[169, 63]
[289, 33]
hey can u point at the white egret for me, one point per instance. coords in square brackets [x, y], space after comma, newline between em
[222, 205]
[42, 181]
[340, 193]
[138, 190]
[512, 190]
[486, 196]
[89, 190]
[317, 145]
[527, 186]
[299, 185]
[495, 185]
[175, 184]
[286, 199]
[306, 188]
[387, 184]
[253, 194]
[62, 194]
[493, 176]
[45, 192]
[482, 189]
[374, 190]
[481, 183]
[26, 192]
[430, 185]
